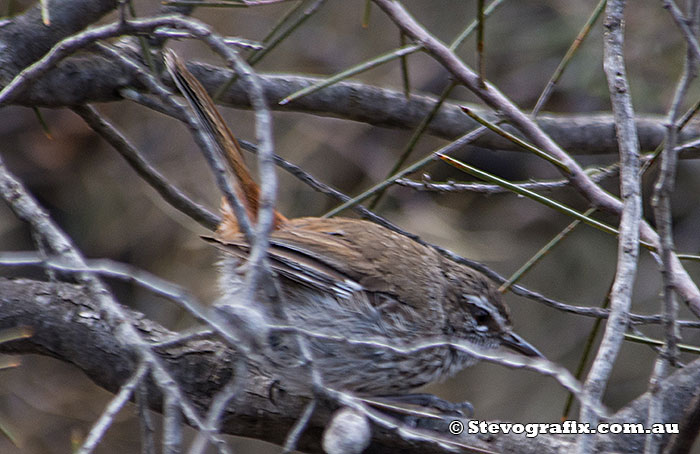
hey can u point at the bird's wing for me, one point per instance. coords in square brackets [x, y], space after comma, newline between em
[349, 255]
[294, 264]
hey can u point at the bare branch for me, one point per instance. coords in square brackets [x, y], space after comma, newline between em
[170, 193]
[91, 345]
[27, 209]
[120, 399]
[481, 188]
[628, 244]
[661, 203]
[496, 100]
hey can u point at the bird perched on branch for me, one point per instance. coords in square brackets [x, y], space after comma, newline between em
[384, 308]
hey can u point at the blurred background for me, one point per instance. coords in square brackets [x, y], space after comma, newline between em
[110, 213]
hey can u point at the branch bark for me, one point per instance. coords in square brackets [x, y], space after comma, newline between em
[67, 326]
[89, 77]
[490, 95]
[630, 218]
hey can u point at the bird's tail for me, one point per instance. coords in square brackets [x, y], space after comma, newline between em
[244, 185]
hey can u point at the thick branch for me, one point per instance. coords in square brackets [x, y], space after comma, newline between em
[88, 79]
[67, 326]
[25, 38]
[91, 78]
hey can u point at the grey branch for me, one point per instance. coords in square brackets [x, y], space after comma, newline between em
[490, 95]
[630, 218]
[92, 78]
[138, 162]
[67, 326]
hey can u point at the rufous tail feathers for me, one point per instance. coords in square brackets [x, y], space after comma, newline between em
[246, 188]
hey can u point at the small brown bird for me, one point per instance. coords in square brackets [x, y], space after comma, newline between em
[349, 279]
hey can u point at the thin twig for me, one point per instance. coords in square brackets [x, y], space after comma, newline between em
[115, 405]
[146, 427]
[218, 406]
[495, 99]
[290, 443]
[492, 189]
[449, 148]
[181, 297]
[27, 209]
[661, 203]
[685, 28]
[78, 41]
[128, 151]
[417, 134]
[147, 280]
[172, 424]
[640, 339]
[630, 219]
[583, 33]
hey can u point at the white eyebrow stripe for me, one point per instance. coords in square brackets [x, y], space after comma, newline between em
[481, 302]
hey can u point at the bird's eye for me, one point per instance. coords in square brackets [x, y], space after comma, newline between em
[480, 316]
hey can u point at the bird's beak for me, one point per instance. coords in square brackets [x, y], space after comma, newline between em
[520, 345]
